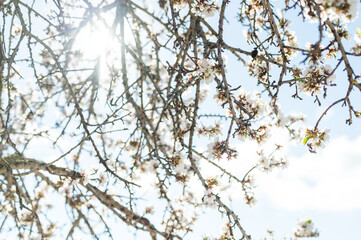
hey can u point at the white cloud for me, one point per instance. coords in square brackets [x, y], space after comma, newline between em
[327, 181]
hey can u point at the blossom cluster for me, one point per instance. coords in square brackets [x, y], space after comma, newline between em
[226, 232]
[306, 229]
[206, 70]
[253, 10]
[205, 8]
[5, 208]
[180, 4]
[261, 134]
[267, 163]
[149, 166]
[179, 220]
[314, 78]
[211, 131]
[259, 69]
[252, 104]
[338, 9]
[94, 174]
[16, 30]
[218, 148]
[250, 199]
[282, 120]
[249, 181]
[211, 182]
[209, 197]
[67, 185]
[180, 167]
[290, 41]
[334, 10]
[315, 138]
[290, 38]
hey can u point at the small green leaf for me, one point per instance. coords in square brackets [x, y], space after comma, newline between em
[306, 140]
[358, 31]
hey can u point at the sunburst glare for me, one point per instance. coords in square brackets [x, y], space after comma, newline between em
[97, 43]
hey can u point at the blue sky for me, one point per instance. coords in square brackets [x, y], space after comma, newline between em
[325, 187]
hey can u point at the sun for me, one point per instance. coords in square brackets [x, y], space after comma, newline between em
[98, 44]
[94, 40]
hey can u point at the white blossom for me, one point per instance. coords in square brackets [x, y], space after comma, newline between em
[208, 198]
